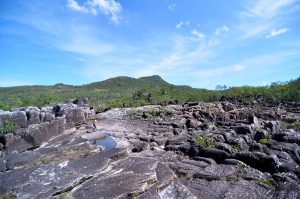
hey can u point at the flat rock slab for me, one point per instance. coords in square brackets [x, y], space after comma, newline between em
[129, 178]
[54, 178]
[93, 136]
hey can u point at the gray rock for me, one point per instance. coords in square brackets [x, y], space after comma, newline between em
[18, 118]
[15, 160]
[260, 134]
[39, 133]
[225, 147]
[243, 129]
[274, 127]
[260, 161]
[16, 143]
[33, 115]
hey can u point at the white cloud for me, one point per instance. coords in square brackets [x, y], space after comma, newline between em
[269, 8]
[184, 56]
[181, 24]
[275, 33]
[72, 4]
[197, 34]
[218, 71]
[221, 30]
[172, 7]
[110, 8]
[262, 15]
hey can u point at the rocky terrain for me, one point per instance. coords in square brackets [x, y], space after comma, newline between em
[192, 150]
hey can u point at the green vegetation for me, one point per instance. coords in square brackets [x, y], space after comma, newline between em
[204, 141]
[236, 147]
[189, 176]
[7, 196]
[131, 92]
[220, 126]
[266, 181]
[264, 141]
[295, 125]
[7, 127]
[159, 112]
[240, 165]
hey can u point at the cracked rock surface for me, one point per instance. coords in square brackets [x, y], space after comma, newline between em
[193, 150]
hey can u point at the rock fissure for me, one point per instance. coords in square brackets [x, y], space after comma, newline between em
[194, 150]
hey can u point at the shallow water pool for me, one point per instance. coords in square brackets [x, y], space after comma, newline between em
[106, 143]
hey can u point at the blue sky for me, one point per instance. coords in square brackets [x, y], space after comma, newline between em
[187, 42]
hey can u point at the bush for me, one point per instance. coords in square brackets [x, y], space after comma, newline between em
[264, 141]
[7, 127]
[204, 141]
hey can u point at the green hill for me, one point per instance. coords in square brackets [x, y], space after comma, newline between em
[126, 91]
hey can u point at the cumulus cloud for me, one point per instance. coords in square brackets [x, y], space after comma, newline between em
[72, 4]
[221, 30]
[181, 24]
[197, 34]
[110, 8]
[275, 33]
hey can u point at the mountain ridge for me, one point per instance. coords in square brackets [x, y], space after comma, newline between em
[123, 91]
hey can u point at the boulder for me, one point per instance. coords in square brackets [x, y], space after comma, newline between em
[16, 143]
[260, 161]
[33, 115]
[260, 134]
[19, 118]
[38, 133]
[273, 126]
[243, 129]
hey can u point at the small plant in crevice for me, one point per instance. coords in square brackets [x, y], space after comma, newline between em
[220, 126]
[264, 141]
[7, 127]
[267, 182]
[189, 176]
[236, 147]
[240, 165]
[204, 141]
[295, 126]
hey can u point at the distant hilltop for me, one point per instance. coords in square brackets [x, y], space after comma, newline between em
[125, 91]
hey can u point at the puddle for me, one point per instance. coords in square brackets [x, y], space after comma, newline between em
[106, 143]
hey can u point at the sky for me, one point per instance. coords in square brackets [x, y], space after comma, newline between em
[186, 42]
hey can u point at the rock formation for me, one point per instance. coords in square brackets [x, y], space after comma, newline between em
[192, 150]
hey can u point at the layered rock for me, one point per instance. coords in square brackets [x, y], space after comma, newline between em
[193, 150]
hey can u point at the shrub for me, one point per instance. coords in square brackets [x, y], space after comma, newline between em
[204, 141]
[264, 141]
[236, 147]
[266, 181]
[7, 127]
[220, 126]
